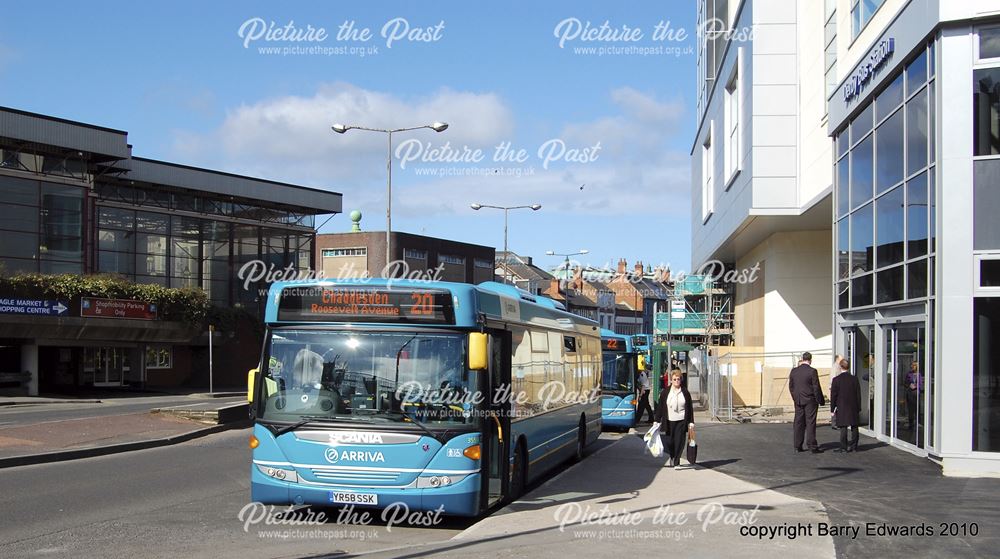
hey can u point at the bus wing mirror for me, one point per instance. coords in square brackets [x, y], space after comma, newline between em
[642, 362]
[251, 380]
[477, 351]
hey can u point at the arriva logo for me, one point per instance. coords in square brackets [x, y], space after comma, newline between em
[332, 455]
[363, 438]
[362, 456]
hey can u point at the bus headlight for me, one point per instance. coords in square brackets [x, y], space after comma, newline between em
[279, 473]
[434, 482]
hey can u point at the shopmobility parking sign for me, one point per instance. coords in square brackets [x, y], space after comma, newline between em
[36, 307]
[117, 308]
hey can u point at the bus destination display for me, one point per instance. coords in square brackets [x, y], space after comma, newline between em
[612, 344]
[365, 304]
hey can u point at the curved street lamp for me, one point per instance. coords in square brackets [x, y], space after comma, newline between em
[567, 255]
[342, 128]
[506, 209]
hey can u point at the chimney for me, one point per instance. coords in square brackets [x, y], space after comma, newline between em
[554, 287]
[638, 270]
[622, 265]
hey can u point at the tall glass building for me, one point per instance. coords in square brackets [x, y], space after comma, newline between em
[915, 120]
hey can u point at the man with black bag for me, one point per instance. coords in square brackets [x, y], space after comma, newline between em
[807, 395]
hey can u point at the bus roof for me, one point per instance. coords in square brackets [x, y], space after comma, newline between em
[466, 307]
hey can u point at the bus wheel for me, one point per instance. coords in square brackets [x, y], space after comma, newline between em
[518, 480]
[581, 441]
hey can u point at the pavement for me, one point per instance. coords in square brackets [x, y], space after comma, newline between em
[749, 494]
[35, 430]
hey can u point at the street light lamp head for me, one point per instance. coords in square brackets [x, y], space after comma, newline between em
[475, 206]
[340, 128]
[550, 253]
[584, 251]
[439, 126]
[536, 207]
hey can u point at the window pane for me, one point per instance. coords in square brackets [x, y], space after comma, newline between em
[862, 124]
[889, 152]
[18, 218]
[151, 222]
[110, 239]
[931, 209]
[985, 371]
[861, 173]
[916, 279]
[151, 264]
[890, 228]
[890, 98]
[18, 191]
[861, 291]
[151, 244]
[932, 126]
[916, 216]
[843, 187]
[986, 204]
[989, 42]
[843, 250]
[916, 73]
[62, 222]
[890, 285]
[989, 273]
[19, 245]
[986, 108]
[842, 143]
[60, 267]
[861, 240]
[916, 133]
[843, 295]
[185, 226]
[115, 218]
[116, 263]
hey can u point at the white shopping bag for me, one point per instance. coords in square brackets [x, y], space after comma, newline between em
[653, 442]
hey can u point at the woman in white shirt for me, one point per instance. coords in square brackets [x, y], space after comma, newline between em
[675, 412]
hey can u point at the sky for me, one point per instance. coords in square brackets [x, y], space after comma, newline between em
[586, 108]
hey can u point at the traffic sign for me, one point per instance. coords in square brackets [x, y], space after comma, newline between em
[117, 308]
[35, 307]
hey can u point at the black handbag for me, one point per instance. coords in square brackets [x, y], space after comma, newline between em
[692, 447]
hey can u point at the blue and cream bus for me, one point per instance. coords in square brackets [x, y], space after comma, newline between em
[620, 371]
[440, 396]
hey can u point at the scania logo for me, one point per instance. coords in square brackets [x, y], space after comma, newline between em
[332, 455]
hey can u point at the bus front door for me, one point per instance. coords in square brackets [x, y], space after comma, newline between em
[496, 425]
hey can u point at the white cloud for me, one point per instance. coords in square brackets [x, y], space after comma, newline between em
[289, 138]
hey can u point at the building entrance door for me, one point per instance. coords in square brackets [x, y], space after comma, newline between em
[109, 365]
[859, 350]
[903, 401]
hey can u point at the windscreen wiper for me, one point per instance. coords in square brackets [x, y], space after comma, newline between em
[418, 423]
[310, 418]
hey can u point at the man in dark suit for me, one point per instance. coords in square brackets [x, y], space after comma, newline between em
[803, 383]
[845, 404]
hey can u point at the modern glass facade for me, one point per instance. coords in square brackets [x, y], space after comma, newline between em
[885, 181]
[183, 249]
[885, 171]
[42, 229]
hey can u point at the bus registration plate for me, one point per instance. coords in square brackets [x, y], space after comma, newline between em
[351, 498]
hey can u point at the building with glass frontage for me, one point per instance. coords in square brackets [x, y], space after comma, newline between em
[75, 201]
[915, 122]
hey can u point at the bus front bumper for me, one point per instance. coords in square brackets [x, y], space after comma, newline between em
[459, 499]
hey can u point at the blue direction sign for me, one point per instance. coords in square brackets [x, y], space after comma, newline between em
[37, 307]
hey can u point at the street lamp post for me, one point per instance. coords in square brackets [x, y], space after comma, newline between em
[506, 209]
[567, 255]
[341, 128]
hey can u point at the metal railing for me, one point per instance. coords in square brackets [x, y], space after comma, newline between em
[757, 380]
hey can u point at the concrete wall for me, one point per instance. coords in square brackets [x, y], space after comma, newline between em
[795, 281]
